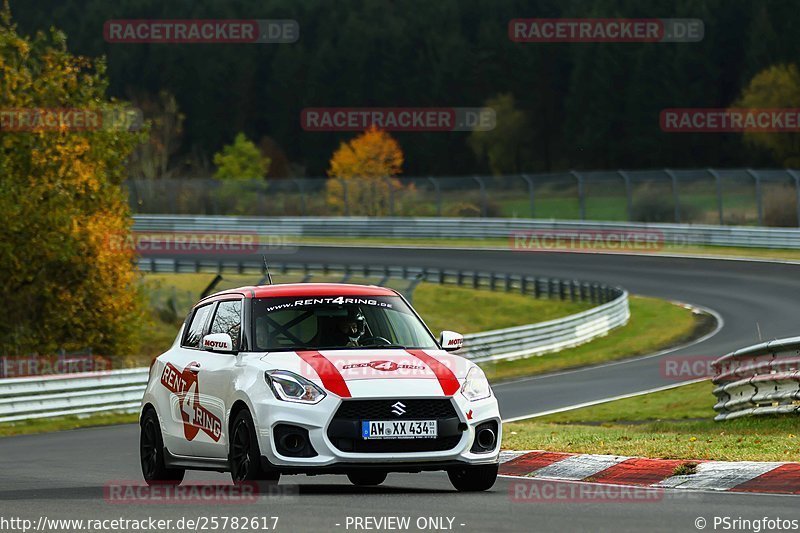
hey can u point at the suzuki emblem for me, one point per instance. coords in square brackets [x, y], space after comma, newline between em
[399, 408]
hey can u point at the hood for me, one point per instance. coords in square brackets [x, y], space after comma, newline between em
[376, 372]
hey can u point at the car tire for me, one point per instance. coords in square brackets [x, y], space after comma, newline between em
[244, 455]
[473, 478]
[367, 478]
[151, 453]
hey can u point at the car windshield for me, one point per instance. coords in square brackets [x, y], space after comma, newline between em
[331, 322]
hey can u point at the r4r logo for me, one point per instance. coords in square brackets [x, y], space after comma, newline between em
[185, 385]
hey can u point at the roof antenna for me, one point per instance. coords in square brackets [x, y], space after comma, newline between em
[266, 267]
[758, 328]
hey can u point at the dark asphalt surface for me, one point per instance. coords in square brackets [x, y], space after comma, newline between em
[63, 475]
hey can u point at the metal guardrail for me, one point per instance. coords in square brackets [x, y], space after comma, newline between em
[465, 228]
[121, 390]
[545, 337]
[71, 394]
[763, 379]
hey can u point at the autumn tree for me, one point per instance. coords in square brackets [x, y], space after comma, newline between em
[68, 282]
[501, 145]
[775, 87]
[241, 160]
[362, 173]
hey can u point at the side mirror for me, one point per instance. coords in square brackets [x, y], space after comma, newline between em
[451, 341]
[218, 342]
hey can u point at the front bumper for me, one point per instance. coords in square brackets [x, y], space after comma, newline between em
[317, 420]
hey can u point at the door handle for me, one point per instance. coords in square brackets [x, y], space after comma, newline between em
[194, 368]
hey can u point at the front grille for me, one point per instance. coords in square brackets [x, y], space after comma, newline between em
[344, 430]
[382, 410]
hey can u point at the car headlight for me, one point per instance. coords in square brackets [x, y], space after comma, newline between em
[290, 387]
[476, 386]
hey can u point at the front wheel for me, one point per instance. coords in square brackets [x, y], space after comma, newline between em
[473, 478]
[244, 455]
[151, 453]
[366, 478]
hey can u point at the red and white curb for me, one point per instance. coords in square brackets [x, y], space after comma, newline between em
[742, 476]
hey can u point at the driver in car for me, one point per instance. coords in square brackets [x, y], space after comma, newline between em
[346, 330]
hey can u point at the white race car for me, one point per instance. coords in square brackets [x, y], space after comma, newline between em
[316, 378]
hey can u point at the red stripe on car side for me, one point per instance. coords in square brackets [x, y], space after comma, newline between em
[447, 379]
[331, 378]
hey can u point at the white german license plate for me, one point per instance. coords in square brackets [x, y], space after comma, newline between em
[398, 429]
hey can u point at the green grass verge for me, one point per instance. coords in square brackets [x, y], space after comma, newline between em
[46, 425]
[654, 325]
[672, 424]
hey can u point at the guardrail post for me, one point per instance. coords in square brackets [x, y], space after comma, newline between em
[531, 193]
[388, 181]
[718, 183]
[302, 192]
[460, 278]
[483, 194]
[438, 190]
[628, 194]
[537, 289]
[508, 283]
[793, 173]
[572, 296]
[757, 180]
[676, 199]
[581, 195]
[344, 198]
[476, 281]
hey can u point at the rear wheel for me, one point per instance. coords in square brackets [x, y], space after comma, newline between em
[367, 478]
[244, 454]
[151, 453]
[473, 478]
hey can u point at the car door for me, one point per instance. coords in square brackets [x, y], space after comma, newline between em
[187, 428]
[217, 375]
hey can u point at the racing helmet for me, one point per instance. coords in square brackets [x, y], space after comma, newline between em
[353, 325]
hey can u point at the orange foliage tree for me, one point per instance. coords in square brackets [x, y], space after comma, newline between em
[362, 173]
[65, 284]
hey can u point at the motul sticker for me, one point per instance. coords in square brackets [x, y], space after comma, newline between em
[184, 384]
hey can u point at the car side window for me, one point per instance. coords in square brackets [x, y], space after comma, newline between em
[194, 333]
[228, 319]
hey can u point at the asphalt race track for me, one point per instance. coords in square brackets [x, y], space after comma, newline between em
[63, 475]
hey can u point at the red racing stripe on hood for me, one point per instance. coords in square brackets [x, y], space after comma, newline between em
[332, 380]
[447, 379]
